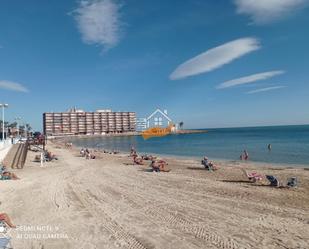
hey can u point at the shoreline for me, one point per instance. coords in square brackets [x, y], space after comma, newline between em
[195, 158]
[109, 203]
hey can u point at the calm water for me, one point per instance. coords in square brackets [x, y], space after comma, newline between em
[290, 144]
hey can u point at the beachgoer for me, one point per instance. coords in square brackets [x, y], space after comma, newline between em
[269, 147]
[159, 165]
[48, 156]
[208, 164]
[246, 155]
[4, 217]
[90, 155]
[133, 151]
[155, 167]
[137, 160]
[7, 175]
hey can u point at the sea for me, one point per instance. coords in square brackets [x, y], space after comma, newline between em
[290, 144]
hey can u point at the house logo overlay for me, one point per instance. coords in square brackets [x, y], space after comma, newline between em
[158, 124]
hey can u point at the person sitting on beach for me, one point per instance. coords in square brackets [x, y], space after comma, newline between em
[7, 175]
[159, 166]
[82, 152]
[137, 160]
[90, 155]
[208, 164]
[4, 217]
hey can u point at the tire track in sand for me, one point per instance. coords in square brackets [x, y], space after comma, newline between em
[120, 235]
[173, 221]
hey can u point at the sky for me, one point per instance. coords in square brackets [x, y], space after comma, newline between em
[223, 63]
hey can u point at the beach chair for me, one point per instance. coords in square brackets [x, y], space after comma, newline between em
[5, 243]
[274, 182]
[253, 177]
[292, 182]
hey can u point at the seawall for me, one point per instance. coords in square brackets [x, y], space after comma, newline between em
[4, 149]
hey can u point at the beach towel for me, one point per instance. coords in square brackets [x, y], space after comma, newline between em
[273, 180]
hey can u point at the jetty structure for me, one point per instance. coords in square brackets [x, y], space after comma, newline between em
[79, 122]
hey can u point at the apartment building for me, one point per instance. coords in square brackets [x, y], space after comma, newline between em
[79, 122]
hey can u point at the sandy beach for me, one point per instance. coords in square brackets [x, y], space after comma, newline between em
[110, 203]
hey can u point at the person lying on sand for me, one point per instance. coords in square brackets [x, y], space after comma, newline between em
[4, 217]
[208, 164]
[137, 160]
[49, 156]
[159, 166]
[7, 175]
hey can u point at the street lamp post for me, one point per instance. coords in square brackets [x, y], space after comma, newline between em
[3, 106]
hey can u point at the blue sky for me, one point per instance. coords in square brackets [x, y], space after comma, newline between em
[209, 63]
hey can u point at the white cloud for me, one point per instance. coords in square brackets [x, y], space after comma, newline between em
[249, 79]
[266, 11]
[266, 89]
[13, 86]
[99, 22]
[215, 58]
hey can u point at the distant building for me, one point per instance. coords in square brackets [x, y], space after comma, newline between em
[79, 122]
[141, 124]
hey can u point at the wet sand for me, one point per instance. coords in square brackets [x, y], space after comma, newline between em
[109, 203]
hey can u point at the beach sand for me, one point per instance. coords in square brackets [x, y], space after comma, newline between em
[108, 203]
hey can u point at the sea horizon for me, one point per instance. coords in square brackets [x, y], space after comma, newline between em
[250, 126]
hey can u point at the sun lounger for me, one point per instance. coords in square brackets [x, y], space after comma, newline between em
[253, 177]
[274, 182]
